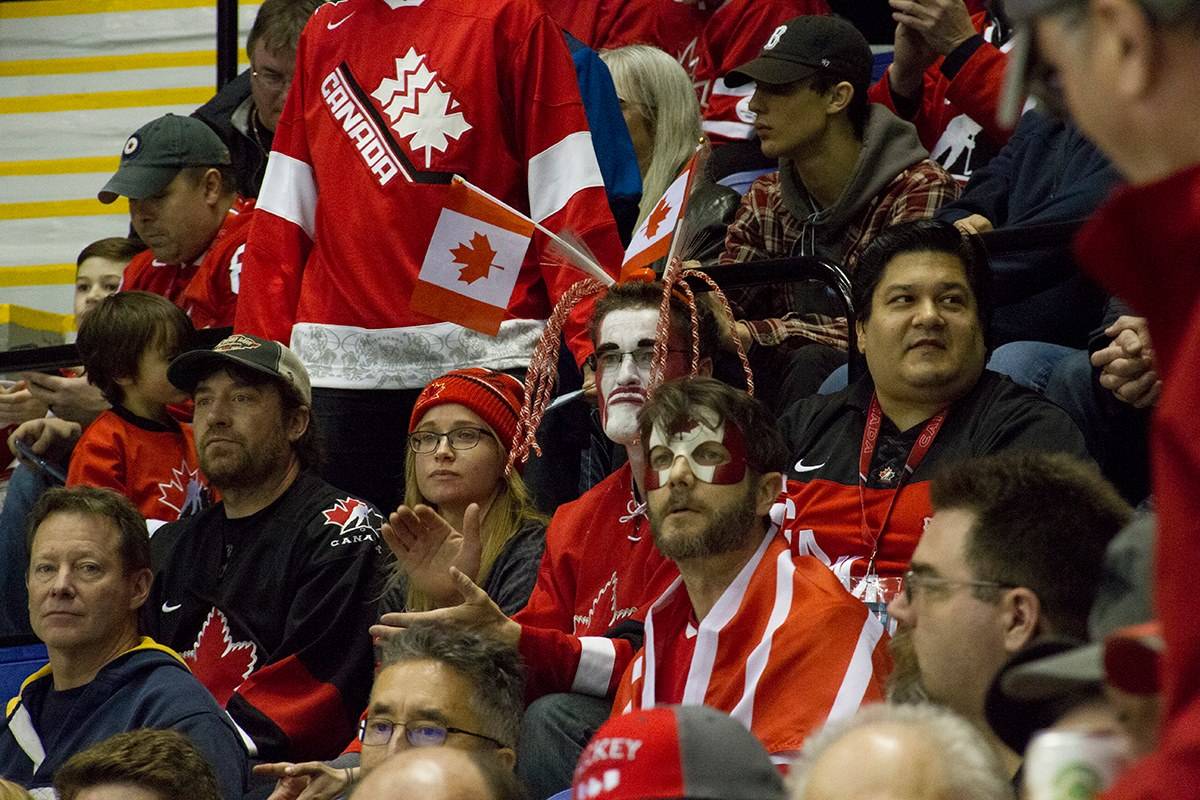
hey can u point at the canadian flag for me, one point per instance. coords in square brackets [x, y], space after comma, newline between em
[473, 260]
[652, 240]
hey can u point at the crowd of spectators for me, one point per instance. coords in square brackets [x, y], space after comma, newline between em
[643, 537]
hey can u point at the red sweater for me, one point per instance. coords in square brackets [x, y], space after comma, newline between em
[600, 569]
[154, 465]
[145, 273]
[1142, 245]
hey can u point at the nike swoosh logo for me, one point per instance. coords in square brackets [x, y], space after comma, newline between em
[333, 25]
[168, 608]
[802, 467]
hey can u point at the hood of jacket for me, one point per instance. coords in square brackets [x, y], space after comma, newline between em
[890, 146]
[150, 655]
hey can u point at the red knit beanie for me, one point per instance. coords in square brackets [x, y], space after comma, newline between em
[494, 396]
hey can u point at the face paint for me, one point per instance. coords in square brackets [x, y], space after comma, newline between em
[715, 454]
[622, 390]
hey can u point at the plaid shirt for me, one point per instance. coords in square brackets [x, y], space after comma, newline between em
[763, 228]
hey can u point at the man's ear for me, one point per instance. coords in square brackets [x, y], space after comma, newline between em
[211, 183]
[769, 487]
[1124, 39]
[140, 580]
[705, 367]
[860, 328]
[297, 423]
[1021, 612]
[839, 97]
[507, 757]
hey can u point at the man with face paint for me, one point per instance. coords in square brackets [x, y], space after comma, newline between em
[600, 568]
[744, 624]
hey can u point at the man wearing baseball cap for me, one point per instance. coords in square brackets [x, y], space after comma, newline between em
[847, 168]
[176, 173]
[269, 593]
[1126, 70]
[677, 752]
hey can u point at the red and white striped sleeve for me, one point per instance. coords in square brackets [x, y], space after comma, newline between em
[281, 234]
[566, 189]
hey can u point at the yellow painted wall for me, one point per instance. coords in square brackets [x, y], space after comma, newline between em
[76, 78]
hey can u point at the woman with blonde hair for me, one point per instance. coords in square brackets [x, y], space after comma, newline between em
[460, 509]
[662, 114]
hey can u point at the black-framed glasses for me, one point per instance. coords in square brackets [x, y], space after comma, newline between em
[916, 581]
[271, 79]
[459, 438]
[377, 731]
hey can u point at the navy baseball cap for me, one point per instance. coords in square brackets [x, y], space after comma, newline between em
[806, 45]
[155, 153]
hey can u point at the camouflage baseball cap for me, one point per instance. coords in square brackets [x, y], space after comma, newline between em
[156, 152]
[260, 355]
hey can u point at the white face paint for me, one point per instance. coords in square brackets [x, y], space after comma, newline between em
[715, 453]
[622, 389]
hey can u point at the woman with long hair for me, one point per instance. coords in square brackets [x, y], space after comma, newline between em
[662, 114]
[460, 509]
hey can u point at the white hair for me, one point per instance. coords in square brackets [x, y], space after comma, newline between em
[970, 767]
[649, 78]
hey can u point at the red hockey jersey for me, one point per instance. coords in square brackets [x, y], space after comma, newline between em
[154, 465]
[599, 570]
[956, 119]
[211, 297]
[784, 649]
[392, 98]
[146, 273]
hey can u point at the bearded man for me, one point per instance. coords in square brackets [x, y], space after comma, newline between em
[269, 593]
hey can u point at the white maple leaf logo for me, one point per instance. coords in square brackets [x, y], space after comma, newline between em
[184, 493]
[420, 106]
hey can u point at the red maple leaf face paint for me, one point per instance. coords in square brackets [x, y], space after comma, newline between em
[715, 451]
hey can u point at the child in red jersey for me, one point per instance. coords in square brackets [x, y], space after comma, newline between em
[138, 448]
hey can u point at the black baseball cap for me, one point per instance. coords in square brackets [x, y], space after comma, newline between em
[155, 153]
[261, 355]
[806, 45]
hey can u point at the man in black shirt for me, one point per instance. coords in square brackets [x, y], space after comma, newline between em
[863, 457]
[269, 593]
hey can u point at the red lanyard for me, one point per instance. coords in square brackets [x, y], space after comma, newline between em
[915, 456]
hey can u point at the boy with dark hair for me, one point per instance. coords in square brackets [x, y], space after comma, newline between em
[137, 447]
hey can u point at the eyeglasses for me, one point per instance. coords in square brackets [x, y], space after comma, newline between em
[377, 731]
[459, 438]
[915, 582]
[271, 79]
[643, 357]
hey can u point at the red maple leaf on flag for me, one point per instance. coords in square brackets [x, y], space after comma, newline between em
[217, 661]
[476, 258]
[657, 217]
